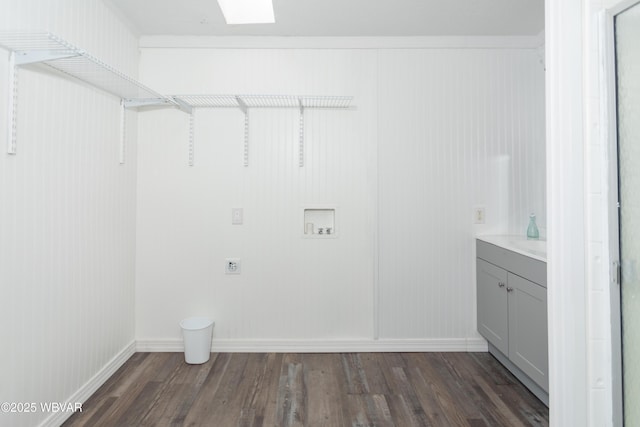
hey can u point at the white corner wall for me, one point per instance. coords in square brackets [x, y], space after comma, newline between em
[566, 267]
[67, 218]
[458, 128]
[437, 129]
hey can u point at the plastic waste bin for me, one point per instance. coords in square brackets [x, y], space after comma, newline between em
[196, 332]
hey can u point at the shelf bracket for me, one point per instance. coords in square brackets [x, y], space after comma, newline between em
[123, 130]
[25, 57]
[13, 104]
[191, 136]
[182, 106]
[144, 102]
[301, 136]
[245, 109]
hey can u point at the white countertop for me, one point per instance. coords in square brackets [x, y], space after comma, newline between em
[536, 249]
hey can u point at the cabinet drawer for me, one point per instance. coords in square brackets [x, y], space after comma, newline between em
[523, 266]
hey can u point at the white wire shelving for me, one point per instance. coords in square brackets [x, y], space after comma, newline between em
[27, 48]
[246, 102]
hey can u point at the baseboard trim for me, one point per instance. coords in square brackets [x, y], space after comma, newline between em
[323, 346]
[90, 387]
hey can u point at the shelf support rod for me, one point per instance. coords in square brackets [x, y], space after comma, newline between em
[191, 137]
[12, 109]
[301, 135]
[245, 109]
[123, 130]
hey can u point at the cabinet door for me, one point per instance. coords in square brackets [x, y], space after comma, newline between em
[492, 304]
[528, 347]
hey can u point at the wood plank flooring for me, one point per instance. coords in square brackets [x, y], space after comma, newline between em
[333, 389]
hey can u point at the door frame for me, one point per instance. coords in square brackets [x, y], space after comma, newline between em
[609, 134]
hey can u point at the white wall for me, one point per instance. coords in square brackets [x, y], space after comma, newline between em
[433, 132]
[290, 287]
[568, 390]
[67, 218]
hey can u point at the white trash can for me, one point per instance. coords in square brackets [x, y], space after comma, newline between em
[196, 332]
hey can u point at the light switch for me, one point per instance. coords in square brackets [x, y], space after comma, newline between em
[479, 215]
[236, 216]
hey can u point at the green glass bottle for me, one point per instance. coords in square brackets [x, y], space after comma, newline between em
[532, 230]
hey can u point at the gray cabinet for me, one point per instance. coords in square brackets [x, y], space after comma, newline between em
[512, 313]
[528, 343]
[493, 313]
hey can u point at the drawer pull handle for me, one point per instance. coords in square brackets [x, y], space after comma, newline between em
[509, 289]
[501, 285]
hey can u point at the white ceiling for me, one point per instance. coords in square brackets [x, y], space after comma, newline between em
[341, 18]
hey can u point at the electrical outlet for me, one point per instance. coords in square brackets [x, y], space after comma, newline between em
[478, 215]
[232, 266]
[236, 216]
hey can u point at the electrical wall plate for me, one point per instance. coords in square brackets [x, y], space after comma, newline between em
[237, 216]
[479, 215]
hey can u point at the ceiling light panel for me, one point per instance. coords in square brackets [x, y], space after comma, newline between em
[247, 11]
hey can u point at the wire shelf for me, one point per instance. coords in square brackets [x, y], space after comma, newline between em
[23, 41]
[61, 55]
[208, 101]
[326, 101]
[265, 101]
[49, 49]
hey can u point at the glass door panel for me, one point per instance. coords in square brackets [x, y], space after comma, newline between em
[627, 38]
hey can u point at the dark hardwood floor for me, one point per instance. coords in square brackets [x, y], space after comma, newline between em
[333, 389]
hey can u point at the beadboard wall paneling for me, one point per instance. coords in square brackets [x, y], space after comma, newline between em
[434, 132]
[67, 217]
[457, 129]
[290, 287]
